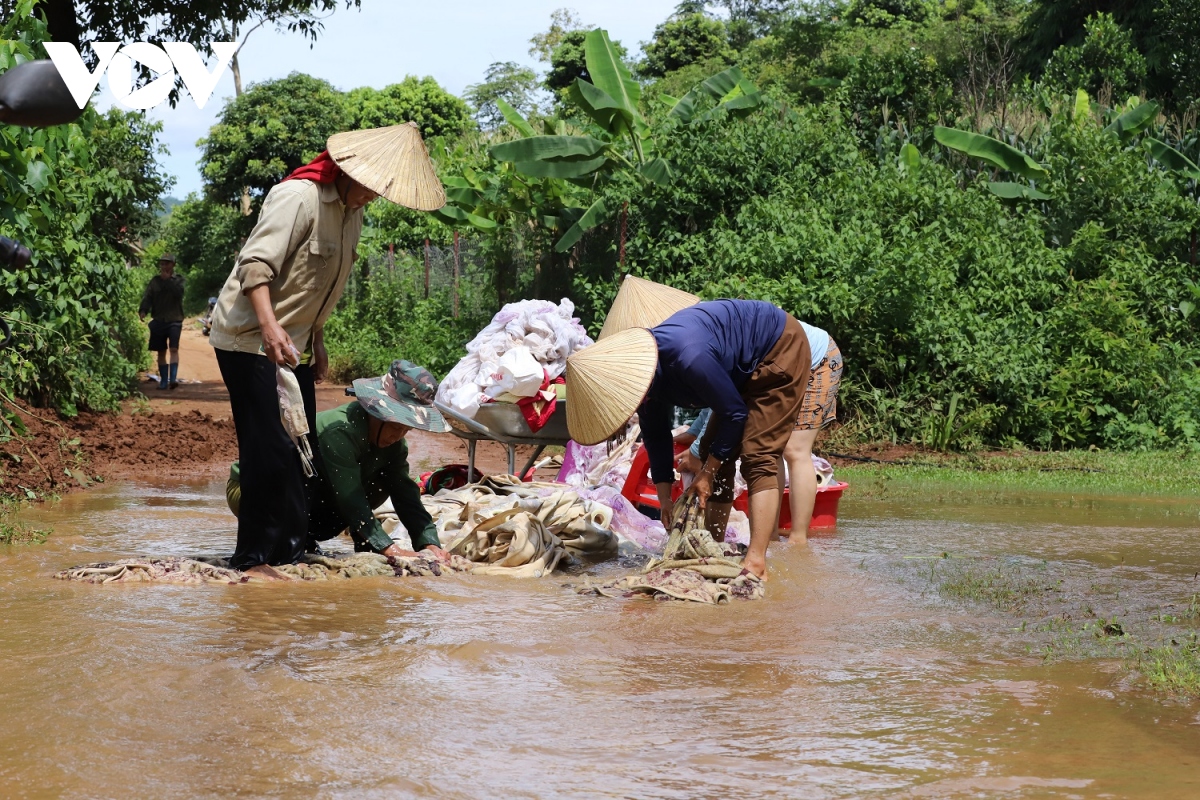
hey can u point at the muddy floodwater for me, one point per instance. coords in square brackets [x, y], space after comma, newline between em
[852, 679]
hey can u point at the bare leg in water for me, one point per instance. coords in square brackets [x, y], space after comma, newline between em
[716, 519]
[798, 454]
[764, 517]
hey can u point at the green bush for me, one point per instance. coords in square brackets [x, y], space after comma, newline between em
[68, 193]
[1106, 60]
[393, 319]
[1055, 325]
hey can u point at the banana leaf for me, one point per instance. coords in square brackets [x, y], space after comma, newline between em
[453, 214]
[1016, 191]
[514, 118]
[609, 73]
[1172, 159]
[1083, 106]
[910, 157]
[590, 219]
[658, 172]
[993, 151]
[1133, 122]
[604, 110]
[541, 148]
[564, 168]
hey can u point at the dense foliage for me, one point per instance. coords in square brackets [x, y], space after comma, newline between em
[267, 132]
[76, 195]
[975, 199]
[979, 298]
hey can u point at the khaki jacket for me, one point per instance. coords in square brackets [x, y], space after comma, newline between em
[303, 246]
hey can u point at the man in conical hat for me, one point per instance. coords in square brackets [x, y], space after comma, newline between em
[747, 360]
[272, 310]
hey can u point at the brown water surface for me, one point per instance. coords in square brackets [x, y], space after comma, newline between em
[844, 683]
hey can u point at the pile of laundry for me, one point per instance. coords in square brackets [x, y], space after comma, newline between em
[507, 527]
[201, 569]
[518, 358]
[693, 567]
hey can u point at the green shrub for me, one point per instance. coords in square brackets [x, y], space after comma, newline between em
[68, 191]
[1054, 325]
[392, 319]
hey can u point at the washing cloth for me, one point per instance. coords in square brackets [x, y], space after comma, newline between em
[174, 569]
[549, 332]
[583, 527]
[693, 567]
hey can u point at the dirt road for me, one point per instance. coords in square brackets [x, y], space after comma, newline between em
[201, 388]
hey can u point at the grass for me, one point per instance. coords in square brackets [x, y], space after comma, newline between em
[13, 531]
[1066, 614]
[1003, 586]
[1151, 474]
[1172, 667]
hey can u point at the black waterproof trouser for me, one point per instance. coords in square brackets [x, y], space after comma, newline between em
[273, 517]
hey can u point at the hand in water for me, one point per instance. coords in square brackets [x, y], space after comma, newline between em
[438, 553]
[395, 551]
[702, 487]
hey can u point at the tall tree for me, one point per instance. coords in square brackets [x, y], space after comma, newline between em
[419, 100]
[76, 21]
[507, 81]
[270, 130]
[562, 22]
[568, 61]
[684, 40]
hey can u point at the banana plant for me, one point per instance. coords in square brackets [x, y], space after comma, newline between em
[998, 154]
[1133, 121]
[732, 91]
[1172, 159]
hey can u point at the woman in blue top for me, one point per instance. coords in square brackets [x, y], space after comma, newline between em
[747, 360]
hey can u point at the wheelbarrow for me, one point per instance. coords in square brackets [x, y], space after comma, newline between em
[503, 423]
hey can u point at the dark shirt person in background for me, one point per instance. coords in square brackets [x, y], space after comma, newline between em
[163, 301]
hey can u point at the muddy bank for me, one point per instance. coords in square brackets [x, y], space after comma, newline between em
[57, 454]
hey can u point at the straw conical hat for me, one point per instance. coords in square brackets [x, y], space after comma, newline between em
[643, 304]
[607, 381]
[392, 162]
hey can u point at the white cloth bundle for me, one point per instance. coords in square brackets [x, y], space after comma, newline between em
[291, 414]
[547, 332]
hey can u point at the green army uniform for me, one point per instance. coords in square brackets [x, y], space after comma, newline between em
[357, 477]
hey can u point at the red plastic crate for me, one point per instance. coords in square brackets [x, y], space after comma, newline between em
[639, 490]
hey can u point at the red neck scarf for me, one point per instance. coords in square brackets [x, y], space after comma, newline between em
[320, 170]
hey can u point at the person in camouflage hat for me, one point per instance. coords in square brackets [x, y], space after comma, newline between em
[364, 461]
[403, 396]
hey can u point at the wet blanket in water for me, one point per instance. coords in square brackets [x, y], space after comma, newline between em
[693, 567]
[174, 569]
[520, 529]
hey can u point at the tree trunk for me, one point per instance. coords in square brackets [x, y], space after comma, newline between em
[237, 92]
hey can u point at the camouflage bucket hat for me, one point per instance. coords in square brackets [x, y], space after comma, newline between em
[403, 395]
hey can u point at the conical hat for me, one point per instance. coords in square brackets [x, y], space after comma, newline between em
[643, 304]
[392, 162]
[607, 381]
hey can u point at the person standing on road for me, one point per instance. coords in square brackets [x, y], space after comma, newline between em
[271, 314]
[163, 301]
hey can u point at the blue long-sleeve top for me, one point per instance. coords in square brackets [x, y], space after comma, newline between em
[705, 355]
